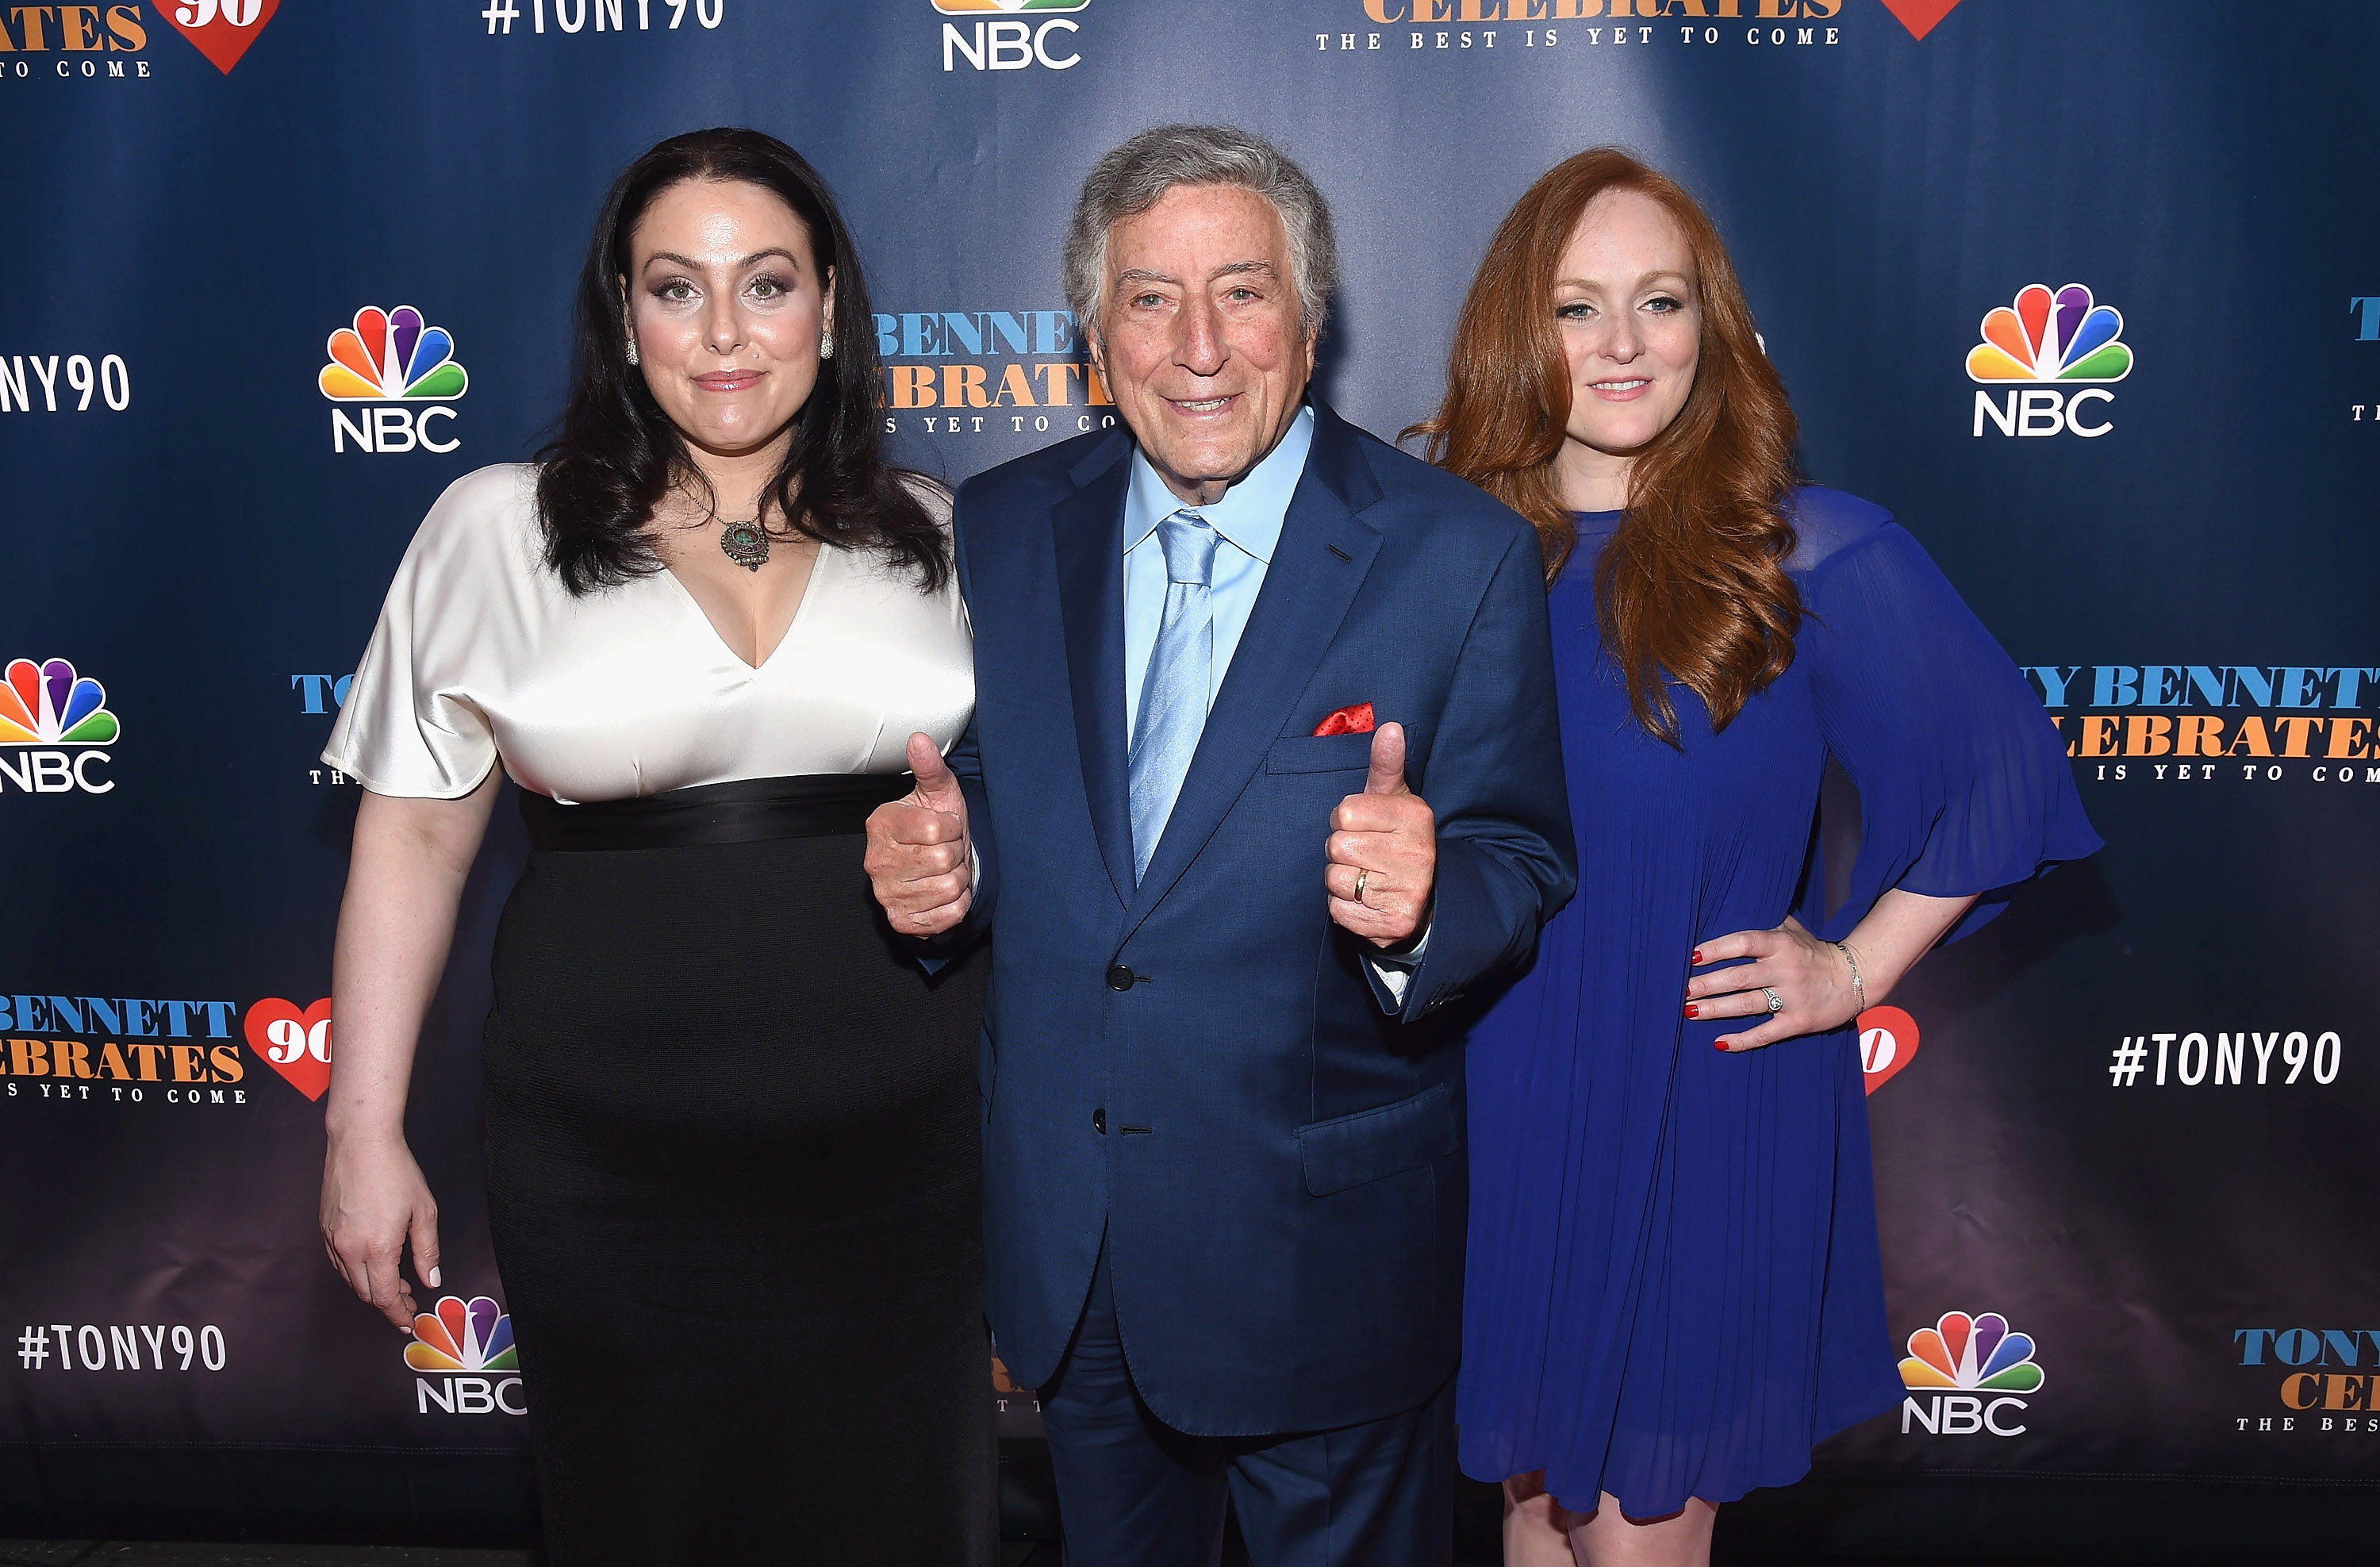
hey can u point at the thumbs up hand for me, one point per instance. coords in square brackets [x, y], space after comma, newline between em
[920, 858]
[1382, 851]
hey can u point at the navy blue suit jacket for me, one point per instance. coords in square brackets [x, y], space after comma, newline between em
[1196, 1067]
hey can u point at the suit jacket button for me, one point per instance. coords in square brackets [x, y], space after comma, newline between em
[1100, 1122]
[1119, 978]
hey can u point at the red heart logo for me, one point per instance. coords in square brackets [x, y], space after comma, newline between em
[222, 29]
[296, 1044]
[1919, 15]
[1888, 1043]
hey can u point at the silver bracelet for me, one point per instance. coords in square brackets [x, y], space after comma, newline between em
[1859, 985]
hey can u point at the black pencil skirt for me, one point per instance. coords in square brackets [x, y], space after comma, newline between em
[733, 1145]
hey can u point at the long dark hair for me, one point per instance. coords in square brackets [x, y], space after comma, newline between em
[618, 454]
[1693, 584]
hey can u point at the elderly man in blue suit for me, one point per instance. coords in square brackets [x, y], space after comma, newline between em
[1264, 772]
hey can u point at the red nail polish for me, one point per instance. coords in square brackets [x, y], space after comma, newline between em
[1719, 1044]
[1698, 955]
[1693, 1011]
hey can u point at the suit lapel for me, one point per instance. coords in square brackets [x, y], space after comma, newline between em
[1326, 549]
[1090, 528]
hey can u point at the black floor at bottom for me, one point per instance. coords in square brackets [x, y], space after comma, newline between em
[74, 1507]
[131, 1553]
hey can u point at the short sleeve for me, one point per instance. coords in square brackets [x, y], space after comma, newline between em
[410, 726]
[1963, 784]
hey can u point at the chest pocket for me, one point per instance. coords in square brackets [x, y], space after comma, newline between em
[1319, 753]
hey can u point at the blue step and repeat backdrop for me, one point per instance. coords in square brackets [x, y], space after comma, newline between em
[2087, 295]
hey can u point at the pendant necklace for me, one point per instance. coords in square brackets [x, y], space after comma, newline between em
[747, 543]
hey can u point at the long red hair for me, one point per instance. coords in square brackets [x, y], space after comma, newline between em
[1691, 587]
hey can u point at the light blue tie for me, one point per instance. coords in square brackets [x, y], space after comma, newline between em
[1180, 674]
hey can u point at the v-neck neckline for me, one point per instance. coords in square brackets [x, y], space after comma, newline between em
[810, 591]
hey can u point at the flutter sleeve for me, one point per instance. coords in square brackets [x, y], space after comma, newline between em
[410, 725]
[1964, 787]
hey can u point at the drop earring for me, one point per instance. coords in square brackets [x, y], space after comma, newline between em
[826, 344]
[632, 352]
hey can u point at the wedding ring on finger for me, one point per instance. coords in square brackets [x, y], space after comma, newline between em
[1363, 879]
[1776, 1002]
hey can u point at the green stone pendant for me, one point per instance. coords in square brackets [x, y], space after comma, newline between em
[746, 544]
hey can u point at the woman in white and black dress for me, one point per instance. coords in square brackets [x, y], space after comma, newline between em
[732, 1126]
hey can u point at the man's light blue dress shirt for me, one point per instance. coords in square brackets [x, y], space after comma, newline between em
[1247, 522]
[1247, 526]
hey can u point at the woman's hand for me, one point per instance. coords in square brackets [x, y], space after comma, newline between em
[373, 1200]
[1813, 978]
[1822, 986]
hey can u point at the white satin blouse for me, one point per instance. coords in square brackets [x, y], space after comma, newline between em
[480, 656]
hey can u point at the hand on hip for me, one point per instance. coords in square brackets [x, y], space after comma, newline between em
[1796, 983]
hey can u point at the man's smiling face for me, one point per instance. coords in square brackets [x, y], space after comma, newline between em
[1200, 338]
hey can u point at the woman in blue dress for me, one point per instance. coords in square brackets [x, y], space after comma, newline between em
[1674, 1289]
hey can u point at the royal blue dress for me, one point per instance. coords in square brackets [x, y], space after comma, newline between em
[1674, 1285]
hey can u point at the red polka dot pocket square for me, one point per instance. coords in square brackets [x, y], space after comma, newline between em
[1356, 720]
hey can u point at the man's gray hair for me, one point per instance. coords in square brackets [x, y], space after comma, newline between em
[1135, 175]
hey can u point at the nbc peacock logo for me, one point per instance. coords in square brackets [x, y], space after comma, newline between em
[49, 704]
[2064, 346]
[464, 1356]
[396, 361]
[2064, 335]
[1970, 1370]
[45, 707]
[1034, 38]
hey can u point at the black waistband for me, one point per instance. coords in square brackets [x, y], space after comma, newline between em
[749, 810]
